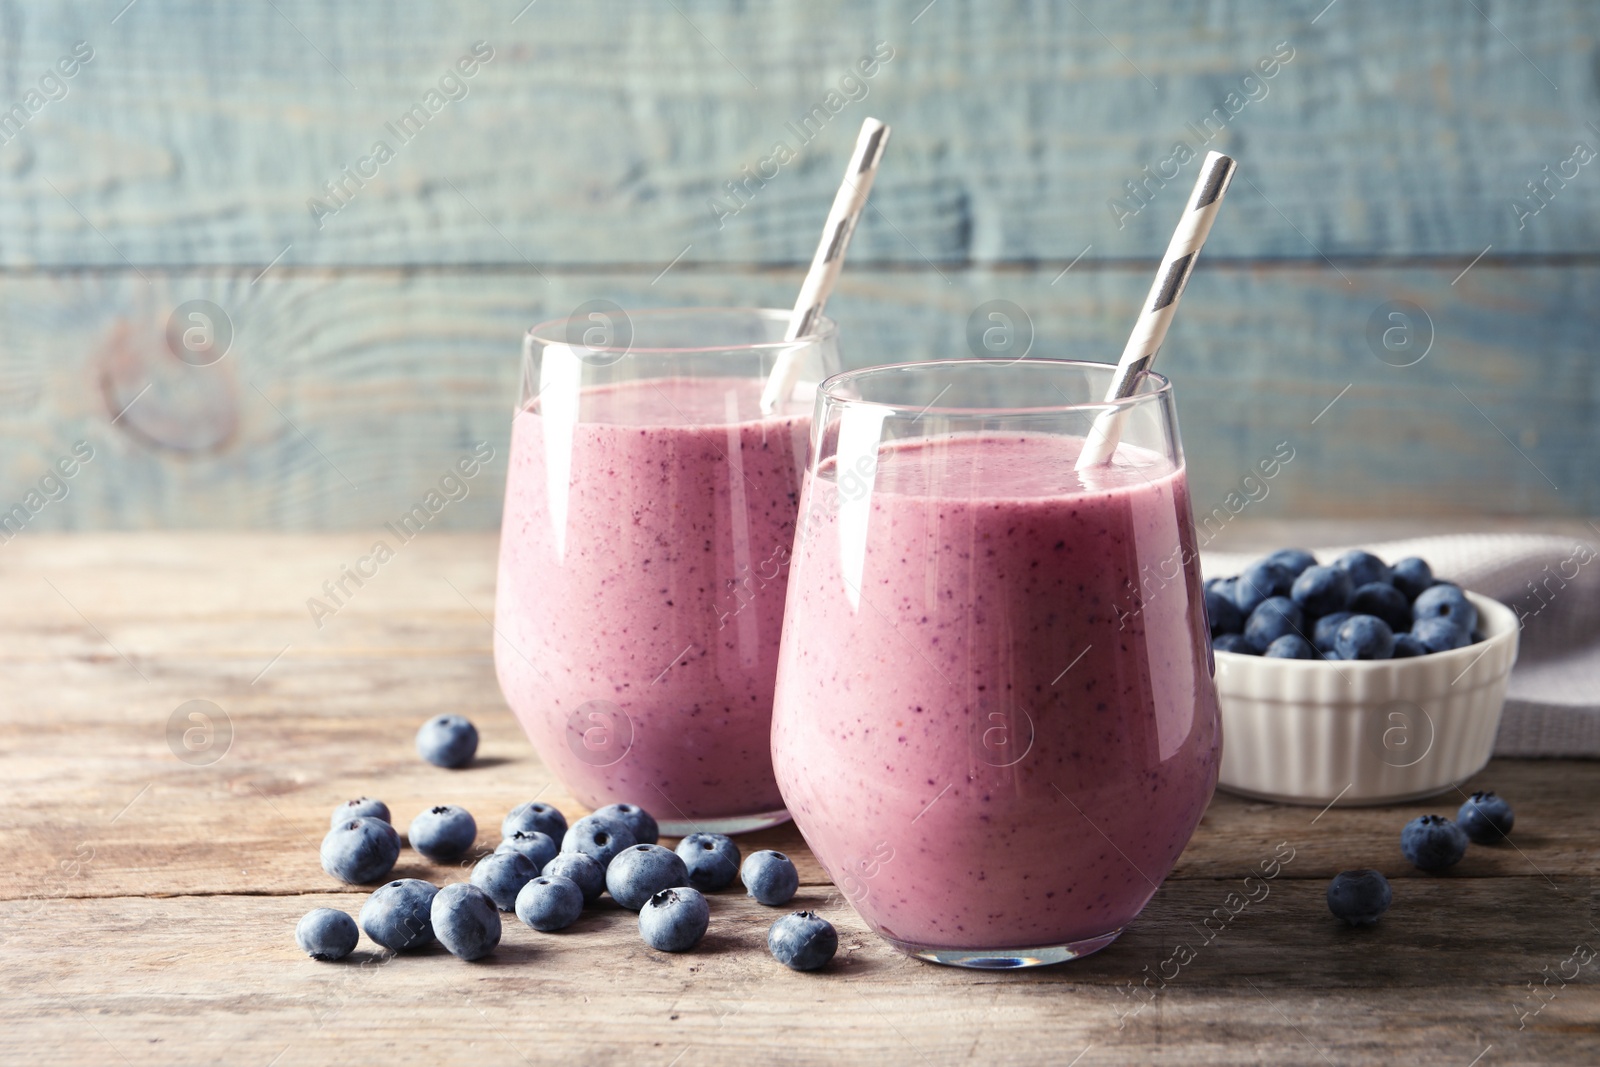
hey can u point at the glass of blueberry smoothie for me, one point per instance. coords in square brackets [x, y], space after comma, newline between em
[649, 515]
[995, 721]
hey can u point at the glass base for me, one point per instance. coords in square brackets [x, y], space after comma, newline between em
[1006, 959]
[730, 825]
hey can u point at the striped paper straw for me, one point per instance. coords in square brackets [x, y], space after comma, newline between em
[1162, 303]
[848, 203]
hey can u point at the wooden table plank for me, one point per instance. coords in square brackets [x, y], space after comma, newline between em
[147, 904]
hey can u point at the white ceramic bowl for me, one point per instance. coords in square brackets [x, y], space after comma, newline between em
[1364, 732]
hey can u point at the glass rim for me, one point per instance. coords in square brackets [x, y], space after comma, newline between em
[828, 391]
[552, 331]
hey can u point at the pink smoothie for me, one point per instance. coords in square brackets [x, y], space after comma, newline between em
[644, 553]
[1008, 737]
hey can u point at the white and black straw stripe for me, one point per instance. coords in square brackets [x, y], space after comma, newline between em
[1216, 172]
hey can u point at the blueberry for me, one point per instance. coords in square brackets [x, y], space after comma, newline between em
[1321, 590]
[538, 847]
[712, 860]
[1233, 643]
[443, 833]
[465, 921]
[636, 819]
[534, 818]
[1326, 631]
[502, 875]
[1359, 897]
[802, 941]
[326, 934]
[1364, 567]
[1384, 601]
[674, 920]
[1291, 646]
[1219, 585]
[640, 872]
[1446, 601]
[583, 870]
[550, 904]
[1259, 581]
[1438, 634]
[397, 915]
[598, 837]
[1407, 645]
[447, 741]
[1485, 818]
[1223, 614]
[770, 877]
[360, 850]
[361, 807]
[1293, 560]
[1364, 637]
[1412, 576]
[1432, 842]
[1275, 617]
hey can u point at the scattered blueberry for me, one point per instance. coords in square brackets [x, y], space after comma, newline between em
[1446, 601]
[465, 921]
[582, 869]
[640, 872]
[1321, 590]
[1326, 631]
[1359, 897]
[534, 818]
[502, 875]
[1291, 646]
[1412, 576]
[636, 819]
[674, 920]
[598, 837]
[1294, 560]
[1485, 818]
[712, 860]
[1260, 581]
[1275, 617]
[1407, 645]
[1223, 614]
[361, 807]
[361, 850]
[538, 847]
[1432, 842]
[1233, 643]
[802, 941]
[1364, 637]
[398, 916]
[1364, 567]
[770, 877]
[326, 934]
[550, 904]
[447, 741]
[1439, 634]
[1383, 601]
[443, 833]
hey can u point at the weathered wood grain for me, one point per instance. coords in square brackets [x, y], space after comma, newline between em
[599, 131]
[344, 398]
[203, 979]
[147, 904]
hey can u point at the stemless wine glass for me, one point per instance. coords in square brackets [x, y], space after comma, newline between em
[995, 721]
[649, 515]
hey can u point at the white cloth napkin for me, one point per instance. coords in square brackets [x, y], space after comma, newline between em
[1553, 584]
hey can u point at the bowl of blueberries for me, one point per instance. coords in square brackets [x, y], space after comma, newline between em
[1355, 681]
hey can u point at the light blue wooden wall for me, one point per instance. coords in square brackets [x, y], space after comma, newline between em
[371, 346]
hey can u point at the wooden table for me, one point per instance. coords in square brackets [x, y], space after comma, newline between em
[149, 902]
